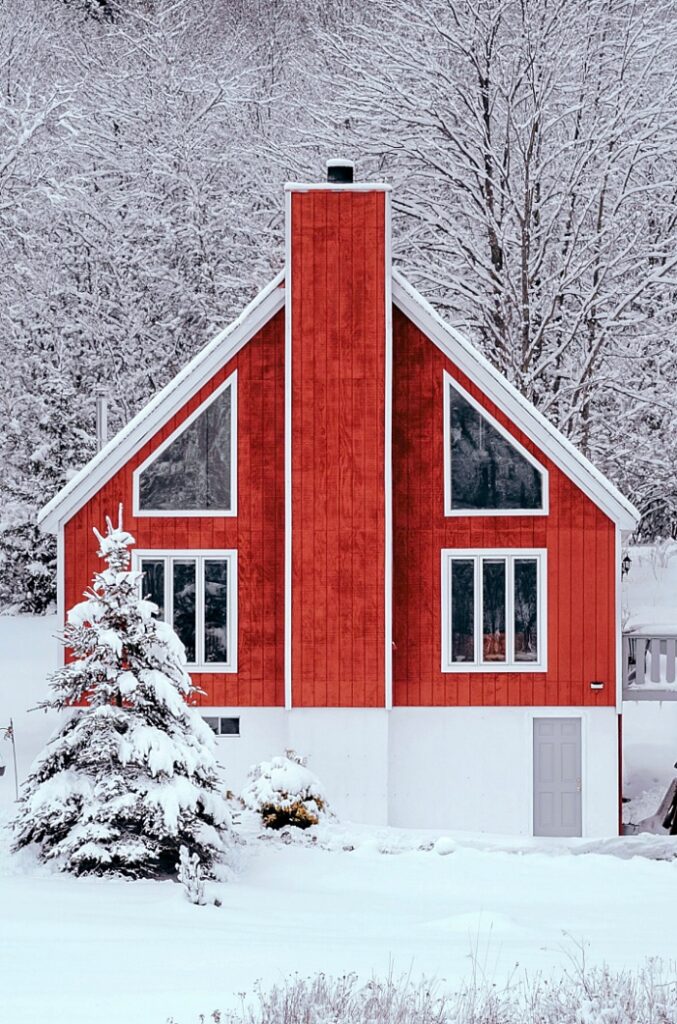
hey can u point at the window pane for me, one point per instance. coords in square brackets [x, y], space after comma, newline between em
[184, 604]
[213, 723]
[493, 597]
[193, 473]
[486, 470]
[216, 610]
[526, 609]
[462, 610]
[153, 583]
[230, 726]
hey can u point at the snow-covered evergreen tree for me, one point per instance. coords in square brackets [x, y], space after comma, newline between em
[131, 776]
[43, 443]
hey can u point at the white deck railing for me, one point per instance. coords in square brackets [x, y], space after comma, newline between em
[650, 666]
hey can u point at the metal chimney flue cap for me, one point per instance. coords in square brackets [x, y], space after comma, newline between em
[340, 172]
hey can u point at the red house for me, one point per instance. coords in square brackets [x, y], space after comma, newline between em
[374, 549]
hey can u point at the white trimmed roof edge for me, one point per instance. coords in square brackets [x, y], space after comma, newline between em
[88, 480]
[520, 410]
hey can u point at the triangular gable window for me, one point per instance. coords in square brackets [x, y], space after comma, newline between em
[193, 472]
[487, 471]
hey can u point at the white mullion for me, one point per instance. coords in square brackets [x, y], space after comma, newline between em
[541, 625]
[199, 610]
[450, 585]
[510, 610]
[169, 591]
[448, 625]
[228, 564]
[168, 611]
[478, 609]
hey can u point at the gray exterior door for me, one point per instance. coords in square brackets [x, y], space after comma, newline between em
[557, 777]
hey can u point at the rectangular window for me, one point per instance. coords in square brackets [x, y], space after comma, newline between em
[216, 609]
[526, 609]
[183, 604]
[463, 602]
[223, 726]
[493, 610]
[196, 592]
[154, 583]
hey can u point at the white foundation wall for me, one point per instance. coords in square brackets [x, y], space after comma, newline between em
[263, 734]
[347, 748]
[466, 769]
[472, 768]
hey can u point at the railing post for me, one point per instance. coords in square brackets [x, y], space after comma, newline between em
[655, 648]
[670, 659]
[640, 660]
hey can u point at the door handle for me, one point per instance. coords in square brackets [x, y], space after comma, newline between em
[578, 785]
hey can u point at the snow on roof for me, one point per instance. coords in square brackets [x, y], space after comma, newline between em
[162, 407]
[521, 411]
[266, 304]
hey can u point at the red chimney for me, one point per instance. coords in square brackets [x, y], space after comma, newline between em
[338, 478]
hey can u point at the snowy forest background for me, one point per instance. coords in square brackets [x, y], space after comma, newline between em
[143, 146]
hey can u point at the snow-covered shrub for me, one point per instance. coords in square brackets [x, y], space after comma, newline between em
[190, 876]
[594, 996]
[285, 792]
[131, 776]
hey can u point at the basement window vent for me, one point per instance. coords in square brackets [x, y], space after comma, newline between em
[223, 726]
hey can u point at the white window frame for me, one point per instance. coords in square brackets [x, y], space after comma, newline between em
[510, 555]
[200, 556]
[230, 382]
[450, 382]
[219, 718]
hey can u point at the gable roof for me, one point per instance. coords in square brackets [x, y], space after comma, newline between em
[267, 303]
[88, 480]
[522, 413]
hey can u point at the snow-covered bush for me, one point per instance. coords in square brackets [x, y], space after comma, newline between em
[285, 792]
[190, 876]
[131, 776]
[591, 996]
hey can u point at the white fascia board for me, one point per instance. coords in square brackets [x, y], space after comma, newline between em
[337, 186]
[163, 406]
[521, 412]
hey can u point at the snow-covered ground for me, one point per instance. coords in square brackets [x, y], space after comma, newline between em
[78, 950]
[75, 951]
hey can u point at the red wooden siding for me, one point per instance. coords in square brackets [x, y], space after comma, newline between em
[257, 531]
[338, 344]
[579, 539]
